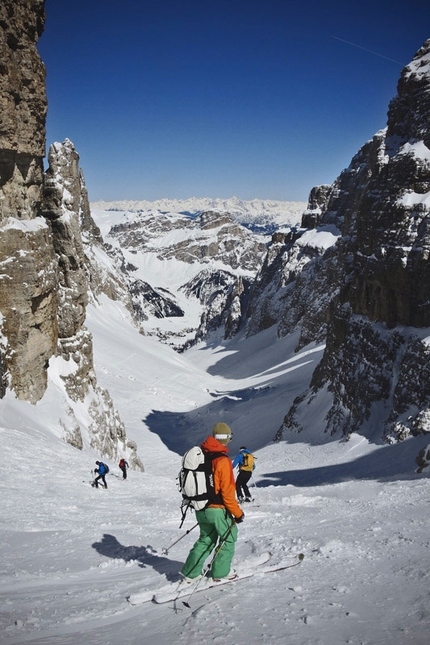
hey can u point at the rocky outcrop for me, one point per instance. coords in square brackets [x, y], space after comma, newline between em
[61, 207]
[392, 272]
[374, 284]
[23, 108]
[317, 199]
[291, 290]
[28, 298]
[66, 208]
[151, 302]
[222, 295]
[28, 305]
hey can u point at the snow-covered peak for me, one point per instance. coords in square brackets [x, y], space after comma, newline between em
[259, 212]
[420, 65]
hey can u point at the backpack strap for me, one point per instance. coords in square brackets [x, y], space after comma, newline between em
[213, 498]
[184, 509]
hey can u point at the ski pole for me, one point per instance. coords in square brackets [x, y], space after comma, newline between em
[165, 550]
[208, 568]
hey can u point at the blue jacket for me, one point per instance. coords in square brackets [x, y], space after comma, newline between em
[102, 468]
[239, 460]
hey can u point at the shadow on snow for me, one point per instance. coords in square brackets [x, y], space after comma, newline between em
[252, 413]
[146, 556]
[276, 376]
[386, 463]
[255, 414]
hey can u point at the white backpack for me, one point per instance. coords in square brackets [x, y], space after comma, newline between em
[196, 480]
[193, 478]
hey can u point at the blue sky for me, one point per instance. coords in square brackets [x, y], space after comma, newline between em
[257, 98]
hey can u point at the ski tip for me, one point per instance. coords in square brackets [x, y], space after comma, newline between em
[301, 556]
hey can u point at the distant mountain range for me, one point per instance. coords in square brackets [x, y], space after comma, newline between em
[258, 212]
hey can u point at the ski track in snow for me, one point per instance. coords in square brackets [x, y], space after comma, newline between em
[71, 554]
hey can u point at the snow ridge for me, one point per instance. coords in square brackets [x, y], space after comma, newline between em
[256, 211]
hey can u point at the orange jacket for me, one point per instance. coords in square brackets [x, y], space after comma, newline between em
[223, 477]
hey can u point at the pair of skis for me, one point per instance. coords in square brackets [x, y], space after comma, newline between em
[176, 591]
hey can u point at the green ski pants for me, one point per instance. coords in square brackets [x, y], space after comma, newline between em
[215, 525]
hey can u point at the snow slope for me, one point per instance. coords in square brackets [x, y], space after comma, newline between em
[71, 554]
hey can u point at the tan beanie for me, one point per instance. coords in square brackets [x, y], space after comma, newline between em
[222, 433]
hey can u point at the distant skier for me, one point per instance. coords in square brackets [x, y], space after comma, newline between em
[123, 464]
[245, 461]
[102, 471]
[423, 459]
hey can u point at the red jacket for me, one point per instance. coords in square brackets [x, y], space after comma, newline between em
[223, 477]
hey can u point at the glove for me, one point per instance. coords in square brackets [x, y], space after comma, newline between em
[240, 519]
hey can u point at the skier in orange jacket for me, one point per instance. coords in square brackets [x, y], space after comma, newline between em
[218, 520]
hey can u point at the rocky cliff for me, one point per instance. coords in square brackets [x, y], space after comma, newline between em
[29, 335]
[45, 279]
[367, 295]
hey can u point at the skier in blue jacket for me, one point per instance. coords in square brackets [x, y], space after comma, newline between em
[245, 461]
[102, 471]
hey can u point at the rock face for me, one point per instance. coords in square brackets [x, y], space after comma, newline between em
[61, 207]
[29, 325]
[211, 235]
[45, 228]
[221, 294]
[28, 304]
[23, 104]
[372, 288]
